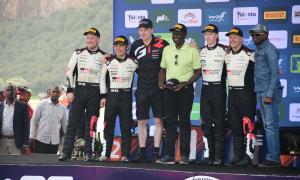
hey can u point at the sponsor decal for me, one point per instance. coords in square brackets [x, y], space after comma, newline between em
[245, 15]
[190, 17]
[296, 39]
[295, 112]
[270, 15]
[133, 17]
[279, 38]
[296, 14]
[294, 88]
[219, 16]
[295, 63]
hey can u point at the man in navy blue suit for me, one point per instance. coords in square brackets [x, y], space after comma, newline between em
[14, 124]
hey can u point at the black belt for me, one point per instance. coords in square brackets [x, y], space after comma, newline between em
[114, 90]
[236, 87]
[205, 83]
[87, 84]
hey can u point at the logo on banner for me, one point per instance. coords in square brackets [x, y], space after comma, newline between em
[132, 18]
[190, 17]
[216, 16]
[271, 15]
[296, 14]
[296, 39]
[245, 16]
[163, 18]
[279, 38]
[295, 63]
[295, 112]
[162, 1]
[283, 83]
[282, 61]
[294, 88]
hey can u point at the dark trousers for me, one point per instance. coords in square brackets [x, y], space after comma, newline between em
[178, 107]
[86, 98]
[43, 148]
[118, 104]
[212, 110]
[241, 103]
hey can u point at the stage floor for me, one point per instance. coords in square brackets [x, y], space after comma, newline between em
[52, 160]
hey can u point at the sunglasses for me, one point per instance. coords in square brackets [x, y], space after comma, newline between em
[257, 34]
[176, 59]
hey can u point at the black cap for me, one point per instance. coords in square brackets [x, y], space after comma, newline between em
[236, 31]
[210, 28]
[92, 31]
[122, 40]
[179, 27]
[171, 83]
[146, 23]
[259, 28]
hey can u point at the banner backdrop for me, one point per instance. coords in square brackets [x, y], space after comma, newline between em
[281, 17]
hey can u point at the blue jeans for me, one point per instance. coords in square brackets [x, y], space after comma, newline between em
[269, 113]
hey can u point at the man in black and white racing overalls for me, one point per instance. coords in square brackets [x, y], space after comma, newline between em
[242, 99]
[213, 96]
[85, 64]
[118, 97]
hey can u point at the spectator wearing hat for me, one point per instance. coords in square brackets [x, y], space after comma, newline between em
[241, 99]
[213, 96]
[180, 68]
[14, 124]
[83, 72]
[117, 98]
[268, 90]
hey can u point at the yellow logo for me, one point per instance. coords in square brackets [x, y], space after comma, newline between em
[119, 39]
[91, 30]
[234, 31]
[270, 15]
[178, 26]
[209, 28]
[296, 39]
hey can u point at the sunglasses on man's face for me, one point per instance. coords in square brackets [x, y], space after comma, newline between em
[176, 59]
[257, 34]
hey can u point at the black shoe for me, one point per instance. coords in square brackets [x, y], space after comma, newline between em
[90, 158]
[140, 158]
[205, 161]
[246, 161]
[234, 161]
[154, 158]
[64, 157]
[218, 162]
[166, 159]
[269, 163]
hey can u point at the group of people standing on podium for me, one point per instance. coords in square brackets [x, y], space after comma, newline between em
[166, 74]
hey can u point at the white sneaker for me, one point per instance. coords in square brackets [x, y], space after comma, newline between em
[103, 159]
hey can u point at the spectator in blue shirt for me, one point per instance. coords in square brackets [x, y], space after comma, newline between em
[267, 87]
